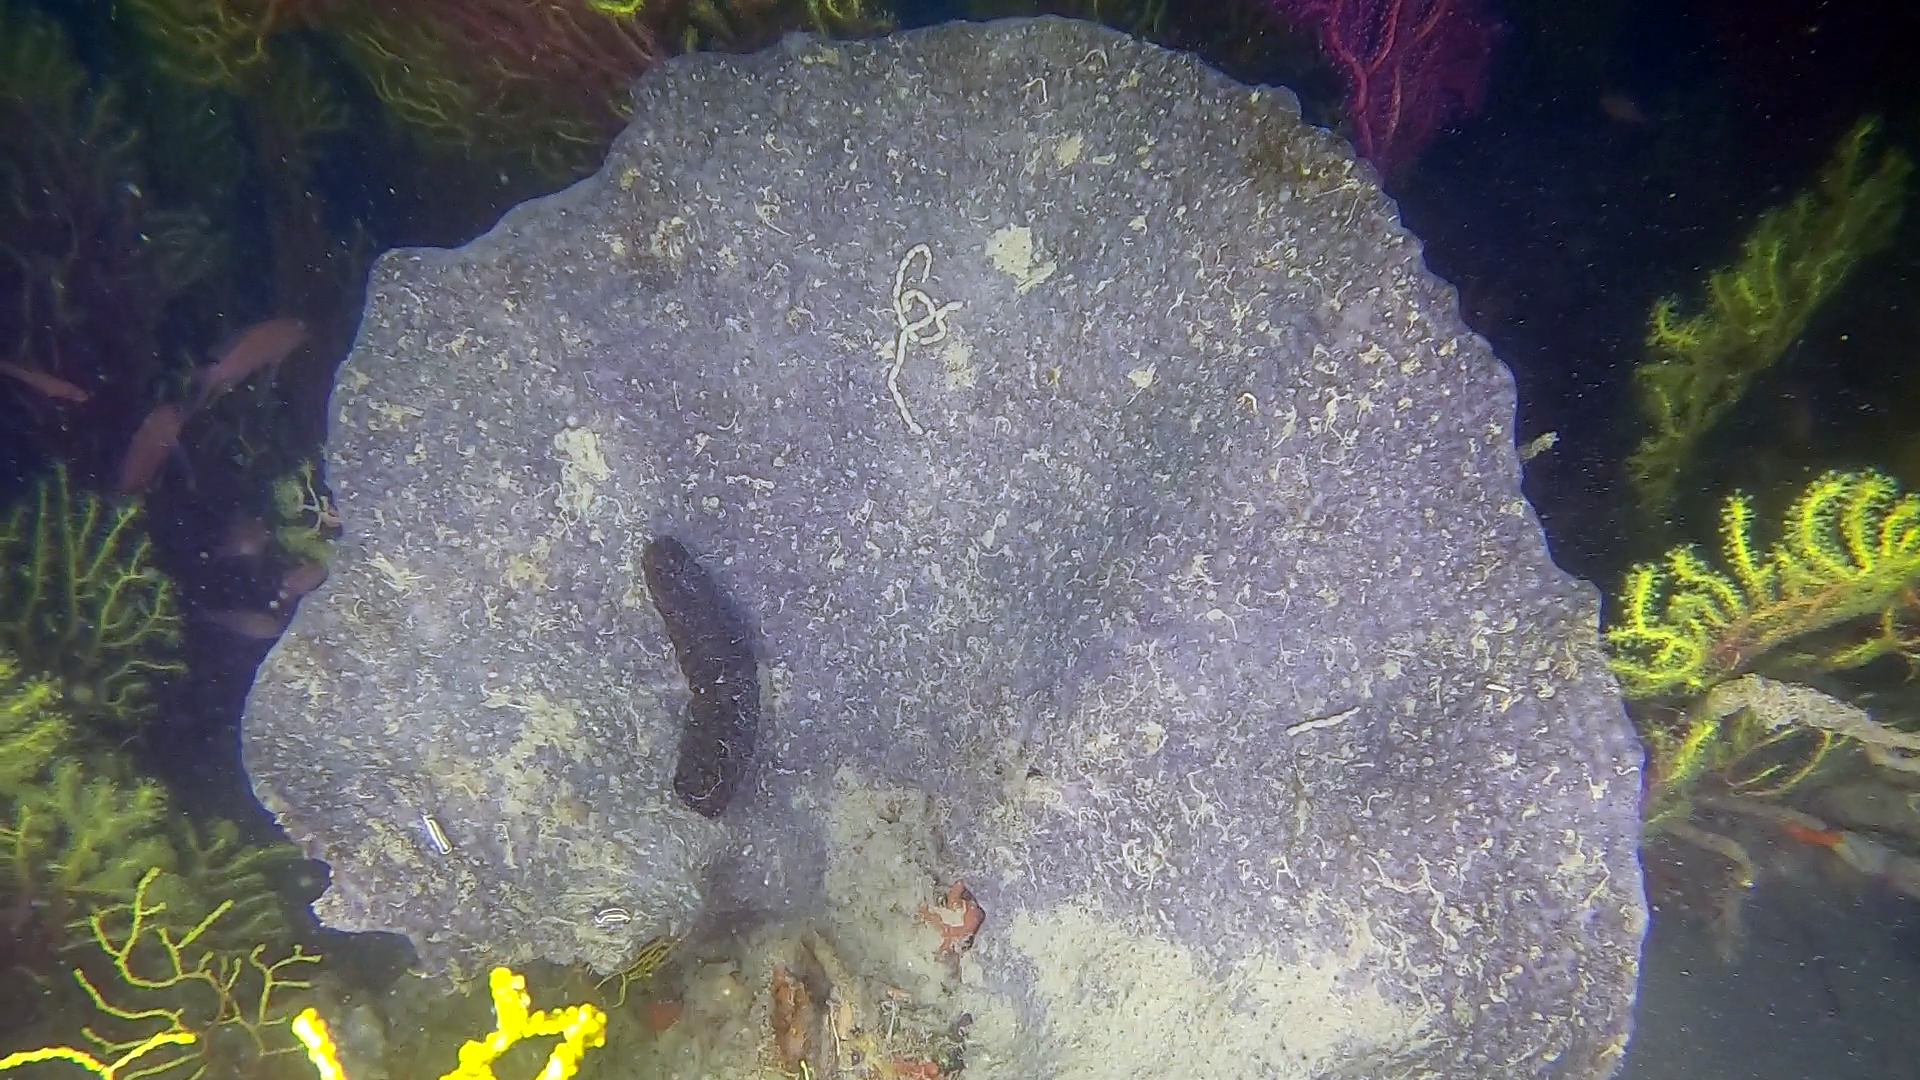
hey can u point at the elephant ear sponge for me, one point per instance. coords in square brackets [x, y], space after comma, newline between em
[1849, 549]
[82, 601]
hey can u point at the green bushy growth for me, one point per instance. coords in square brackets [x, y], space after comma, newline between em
[307, 518]
[79, 829]
[1699, 365]
[82, 602]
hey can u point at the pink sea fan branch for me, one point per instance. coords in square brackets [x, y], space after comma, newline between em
[1410, 66]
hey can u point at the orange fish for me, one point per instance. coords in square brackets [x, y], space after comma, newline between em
[246, 537]
[1623, 110]
[259, 625]
[1806, 834]
[156, 437]
[303, 579]
[54, 387]
[263, 345]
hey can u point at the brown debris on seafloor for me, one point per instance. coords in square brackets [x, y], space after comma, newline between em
[794, 1021]
[661, 1015]
[824, 1025]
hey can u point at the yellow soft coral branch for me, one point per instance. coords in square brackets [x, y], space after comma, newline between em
[580, 1027]
[107, 1070]
[1850, 547]
[182, 963]
[313, 1034]
[32, 731]
[180, 983]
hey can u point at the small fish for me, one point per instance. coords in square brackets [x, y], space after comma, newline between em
[1623, 110]
[1864, 854]
[53, 386]
[307, 576]
[263, 345]
[246, 537]
[436, 835]
[1807, 834]
[147, 451]
[259, 625]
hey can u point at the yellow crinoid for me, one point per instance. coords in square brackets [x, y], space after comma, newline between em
[1849, 548]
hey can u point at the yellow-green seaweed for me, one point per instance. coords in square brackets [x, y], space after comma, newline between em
[82, 601]
[1699, 366]
[146, 918]
[306, 515]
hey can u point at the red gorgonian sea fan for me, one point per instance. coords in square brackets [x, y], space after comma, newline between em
[1410, 66]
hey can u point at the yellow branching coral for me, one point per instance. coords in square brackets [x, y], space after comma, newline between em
[1699, 366]
[160, 994]
[749, 25]
[80, 838]
[79, 829]
[1738, 749]
[81, 600]
[146, 932]
[541, 79]
[651, 957]
[134, 1058]
[580, 1027]
[157, 977]
[1850, 548]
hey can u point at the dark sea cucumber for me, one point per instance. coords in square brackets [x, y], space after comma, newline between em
[715, 649]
